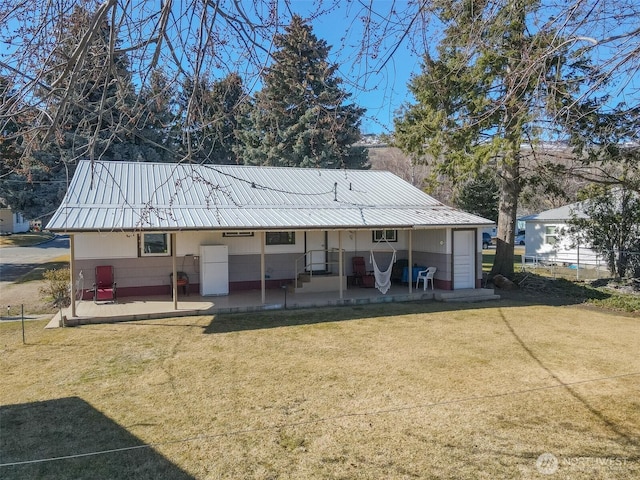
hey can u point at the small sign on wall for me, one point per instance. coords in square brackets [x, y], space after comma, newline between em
[237, 234]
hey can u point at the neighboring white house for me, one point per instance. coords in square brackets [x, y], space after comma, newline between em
[148, 220]
[12, 222]
[549, 238]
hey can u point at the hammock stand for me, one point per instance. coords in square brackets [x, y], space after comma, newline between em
[383, 278]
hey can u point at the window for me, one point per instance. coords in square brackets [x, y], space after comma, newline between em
[281, 238]
[155, 244]
[550, 237]
[388, 235]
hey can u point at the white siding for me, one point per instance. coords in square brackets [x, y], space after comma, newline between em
[188, 243]
[565, 251]
[20, 225]
[105, 245]
[433, 241]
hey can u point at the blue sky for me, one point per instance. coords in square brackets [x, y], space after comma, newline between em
[380, 92]
[377, 81]
[380, 86]
[379, 89]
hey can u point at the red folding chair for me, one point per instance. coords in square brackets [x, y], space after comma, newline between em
[104, 290]
[360, 275]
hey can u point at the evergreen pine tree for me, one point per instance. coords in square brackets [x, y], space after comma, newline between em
[94, 106]
[9, 147]
[153, 128]
[300, 118]
[479, 195]
[211, 114]
[88, 114]
[493, 85]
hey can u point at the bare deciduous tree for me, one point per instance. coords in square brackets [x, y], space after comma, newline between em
[193, 37]
[213, 38]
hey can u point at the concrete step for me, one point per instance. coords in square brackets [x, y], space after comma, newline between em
[470, 299]
[467, 295]
[318, 283]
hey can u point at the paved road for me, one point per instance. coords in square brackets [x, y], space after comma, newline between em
[16, 261]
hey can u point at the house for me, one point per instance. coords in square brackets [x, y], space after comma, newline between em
[549, 237]
[276, 226]
[12, 222]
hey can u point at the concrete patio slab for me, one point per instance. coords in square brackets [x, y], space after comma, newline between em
[152, 307]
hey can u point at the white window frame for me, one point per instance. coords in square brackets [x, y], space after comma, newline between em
[550, 231]
[380, 235]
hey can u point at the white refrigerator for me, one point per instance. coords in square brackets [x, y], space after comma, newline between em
[214, 270]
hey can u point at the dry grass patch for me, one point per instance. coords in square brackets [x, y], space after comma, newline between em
[27, 294]
[386, 391]
[26, 290]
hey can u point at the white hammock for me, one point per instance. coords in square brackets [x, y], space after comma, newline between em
[383, 279]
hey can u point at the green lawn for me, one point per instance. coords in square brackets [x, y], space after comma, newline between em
[24, 239]
[488, 256]
[393, 391]
[38, 272]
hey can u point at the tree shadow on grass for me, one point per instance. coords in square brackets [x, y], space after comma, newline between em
[225, 323]
[536, 290]
[625, 435]
[70, 426]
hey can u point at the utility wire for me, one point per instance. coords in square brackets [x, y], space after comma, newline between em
[34, 181]
[322, 420]
[259, 186]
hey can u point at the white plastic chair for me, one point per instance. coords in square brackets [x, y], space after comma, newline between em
[425, 276]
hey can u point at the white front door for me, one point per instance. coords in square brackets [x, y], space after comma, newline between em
[316, 243]
[464, 259]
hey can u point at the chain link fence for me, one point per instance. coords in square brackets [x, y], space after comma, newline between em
[587, 265]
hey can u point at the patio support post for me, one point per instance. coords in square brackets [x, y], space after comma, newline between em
[410, 272]
[340, 266]
[174, 282]
[72, 272]
[262, 269]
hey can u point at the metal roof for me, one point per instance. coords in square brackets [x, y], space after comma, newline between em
[560, 214]
[105, 196]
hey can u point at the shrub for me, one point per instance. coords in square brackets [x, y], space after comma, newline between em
[57, 288]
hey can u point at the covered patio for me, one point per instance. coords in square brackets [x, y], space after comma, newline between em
[237, 234]
[162, 306]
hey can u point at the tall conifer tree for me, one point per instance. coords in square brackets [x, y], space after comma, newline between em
[93, 106]
[93, 113]
[300, 117]
[152, 133]
[211, 116]
[494, 83]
